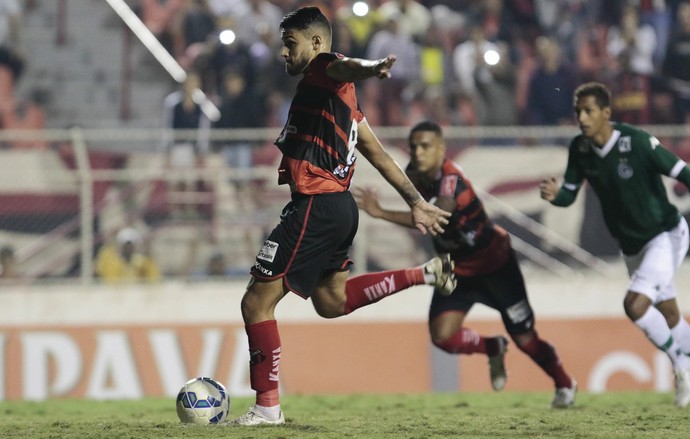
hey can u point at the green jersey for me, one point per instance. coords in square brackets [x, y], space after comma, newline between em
[626, 175]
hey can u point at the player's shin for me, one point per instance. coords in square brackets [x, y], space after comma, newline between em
[655, 327]
[369, 288]
[681, 333]
[264, 361]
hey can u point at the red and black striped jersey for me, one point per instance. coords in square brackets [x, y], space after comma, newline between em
[476, 244]
[319, 137]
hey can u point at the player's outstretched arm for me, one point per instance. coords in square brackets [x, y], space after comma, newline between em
[356, 69]
[368, 200]
[426, 217]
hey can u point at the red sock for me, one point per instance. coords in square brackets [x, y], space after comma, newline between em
[371, 287]
[464, 341]
[544, 354]
[264, 359]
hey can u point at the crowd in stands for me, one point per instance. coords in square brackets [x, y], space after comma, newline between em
[16, 113]
[460, 62]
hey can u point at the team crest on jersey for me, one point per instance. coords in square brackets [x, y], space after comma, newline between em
[624, 144]
[625, 171]
[268, 251]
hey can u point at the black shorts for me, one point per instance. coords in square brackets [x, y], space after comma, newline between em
[503, 290]
[312, 239]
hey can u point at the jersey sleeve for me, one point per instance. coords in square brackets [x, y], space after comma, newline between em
[572, 180]
[667, 163]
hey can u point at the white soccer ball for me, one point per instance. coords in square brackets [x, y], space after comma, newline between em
[203, 400]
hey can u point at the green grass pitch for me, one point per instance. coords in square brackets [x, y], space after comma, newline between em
[447, 415]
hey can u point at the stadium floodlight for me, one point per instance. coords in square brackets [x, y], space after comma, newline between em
[360, 9]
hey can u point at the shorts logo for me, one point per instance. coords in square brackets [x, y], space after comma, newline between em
[519, 312]
[268, 251]
[263, 270]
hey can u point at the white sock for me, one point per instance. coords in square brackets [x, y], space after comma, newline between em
[272, 413]
[655, 327]
[681, 333]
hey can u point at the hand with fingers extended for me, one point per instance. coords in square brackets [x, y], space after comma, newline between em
[368, 200]
[428, 218]
[383, 66]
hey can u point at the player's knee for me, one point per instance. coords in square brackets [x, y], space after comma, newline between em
[329, 310]
[251, 305]
[440, 338]
[635, 305]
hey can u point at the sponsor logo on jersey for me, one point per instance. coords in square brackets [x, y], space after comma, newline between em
[625, 171]
[268, 251]
[624, 144]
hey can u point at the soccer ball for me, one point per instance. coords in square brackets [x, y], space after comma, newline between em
[203, 400]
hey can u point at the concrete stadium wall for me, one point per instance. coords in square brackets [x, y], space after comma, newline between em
[109, 342]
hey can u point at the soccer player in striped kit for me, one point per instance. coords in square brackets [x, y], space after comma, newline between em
[486, 267]
[624, 165]
[307, 252]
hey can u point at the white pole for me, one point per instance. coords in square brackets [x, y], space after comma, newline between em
[161, 54]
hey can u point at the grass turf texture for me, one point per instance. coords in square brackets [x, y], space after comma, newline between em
[497, 415]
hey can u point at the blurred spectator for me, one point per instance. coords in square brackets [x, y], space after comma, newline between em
[217, 266]
[358, 30]
[431, 100]
[240, 107]
[657, 14]
[394, 94]
[159, 17]
[218, 55]
[632, 45]
[259, 19]
[486, 74]
[198, 23]
[593, 60]
[497, 21]
[10, 26]
[125, 261]
[8, 263]
[561, 19]
[676, 68]
[551, 87]
[181, 111]
[413, 17]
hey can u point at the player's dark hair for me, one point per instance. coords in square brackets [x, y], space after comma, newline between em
[426, 125]
[304, 18]
[601, 93]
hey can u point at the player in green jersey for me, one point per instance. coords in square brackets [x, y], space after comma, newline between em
[624, 165]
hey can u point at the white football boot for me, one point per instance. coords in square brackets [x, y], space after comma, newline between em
[682, 387]
[497, 366]
[565, 396]
[253, 417]
[442, 267]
